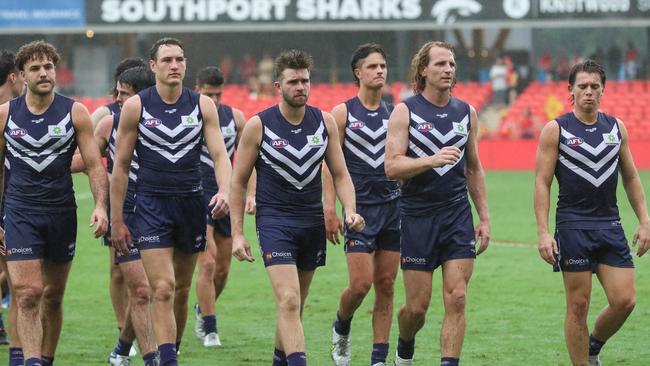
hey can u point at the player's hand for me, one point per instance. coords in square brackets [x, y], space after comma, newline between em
[642, 237]
[251, 206]
[241, 250]
[333, 227]
[548, 248]
[446, 156]
[99, 218]
[120, 237]
[482, 236]
[219, 204]
[355, 222]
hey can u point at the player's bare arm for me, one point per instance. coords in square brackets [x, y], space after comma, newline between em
[219, 155]
[99, 114]
[127, 135]
[96, 172]
[240, 121]
[341, 176]
[399, 166]
[4, 111]
[333, 225]
[547, 154]
[101, 133]
[635, 193]
[247, 153]
[476, 184]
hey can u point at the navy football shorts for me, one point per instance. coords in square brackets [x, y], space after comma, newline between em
[304, 247]
[583, 250]
[40, 235]
[429, 241]
[381, 231]
[170, 222]
[222, 225]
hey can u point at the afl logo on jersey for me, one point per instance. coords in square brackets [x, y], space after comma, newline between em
[280, 143]
[18, 133]
[152, 122]
[357, 125]
[574, 141]
[425, 127]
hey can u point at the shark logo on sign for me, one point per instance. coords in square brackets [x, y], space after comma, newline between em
[446, 11]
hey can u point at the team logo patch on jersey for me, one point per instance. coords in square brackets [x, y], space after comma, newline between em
[357, 125]
[610, 138]
[228, 131]
[574, 141]
[315, 140]
[189, 121]
[384, 123]
[425, 127]
[18, 133]
[280, 143]
[152, 122]
[56, 131]
[459, 129]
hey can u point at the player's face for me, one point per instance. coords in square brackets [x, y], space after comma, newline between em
[294, 86]
[587, 91]
[40, 76]
[212, 92]
[441, 70]
[372, 72]
[124, 92]
[169, 65]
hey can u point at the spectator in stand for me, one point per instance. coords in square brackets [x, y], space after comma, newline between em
[226, 67]
[512, 79]
[562, 67]
[65, 78]
[247, 68]
[614, 59]
[577, 58]
[631, 59]
[544, 67]
[499, 78]
[265, 74]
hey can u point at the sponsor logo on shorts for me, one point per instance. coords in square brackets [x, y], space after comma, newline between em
[71, 249]
[132, 251]
[149, 239]
[152, 122]
[320, 256]
[23, 251]
[575, 141]
[280, 143]
[577, 262]
[356, 243]
[268, 256]
[414, 260]
[18, 132]
[424, 127]
[357, 125]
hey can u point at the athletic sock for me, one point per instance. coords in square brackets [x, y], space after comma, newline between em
[449, 361]
[405, 349]
[210, 324]
[34, 362]
[167, 354]
[279, 358]
[379, 353]
[594, 346]
[297, 359]
[47, 361]
[341, 326]
[122, 347]
[16, 357]
[149, 359]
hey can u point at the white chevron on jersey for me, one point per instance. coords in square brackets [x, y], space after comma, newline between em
[230, 141]
[588, 177]
[439, 136]
[590, 149]
[164, 145]
[434, 148]
[26, 154]
[298, 169]
[206, 159]
[373, 134]
[292, 150]
[588, 162]
[363, 156]
[134, 164]
[178, 129]
[299, 184]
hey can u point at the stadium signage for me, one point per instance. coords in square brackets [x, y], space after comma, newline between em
[441, 12]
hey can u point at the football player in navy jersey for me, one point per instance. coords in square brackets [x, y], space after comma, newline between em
[431, 147]
[286, 145]
[585, 149]
[41, 131]
[372, 254]
[166, 125]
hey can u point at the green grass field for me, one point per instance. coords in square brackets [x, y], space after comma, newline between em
[515, 310]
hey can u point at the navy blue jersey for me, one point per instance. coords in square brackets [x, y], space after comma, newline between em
[114, 107]
[229, 132]
[169, 144]
[364, 148]
[587, 172]
[431, 128]
[129, 200]
[39, 150]
[289, 187]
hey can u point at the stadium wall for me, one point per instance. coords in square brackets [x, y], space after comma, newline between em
[520, 154]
